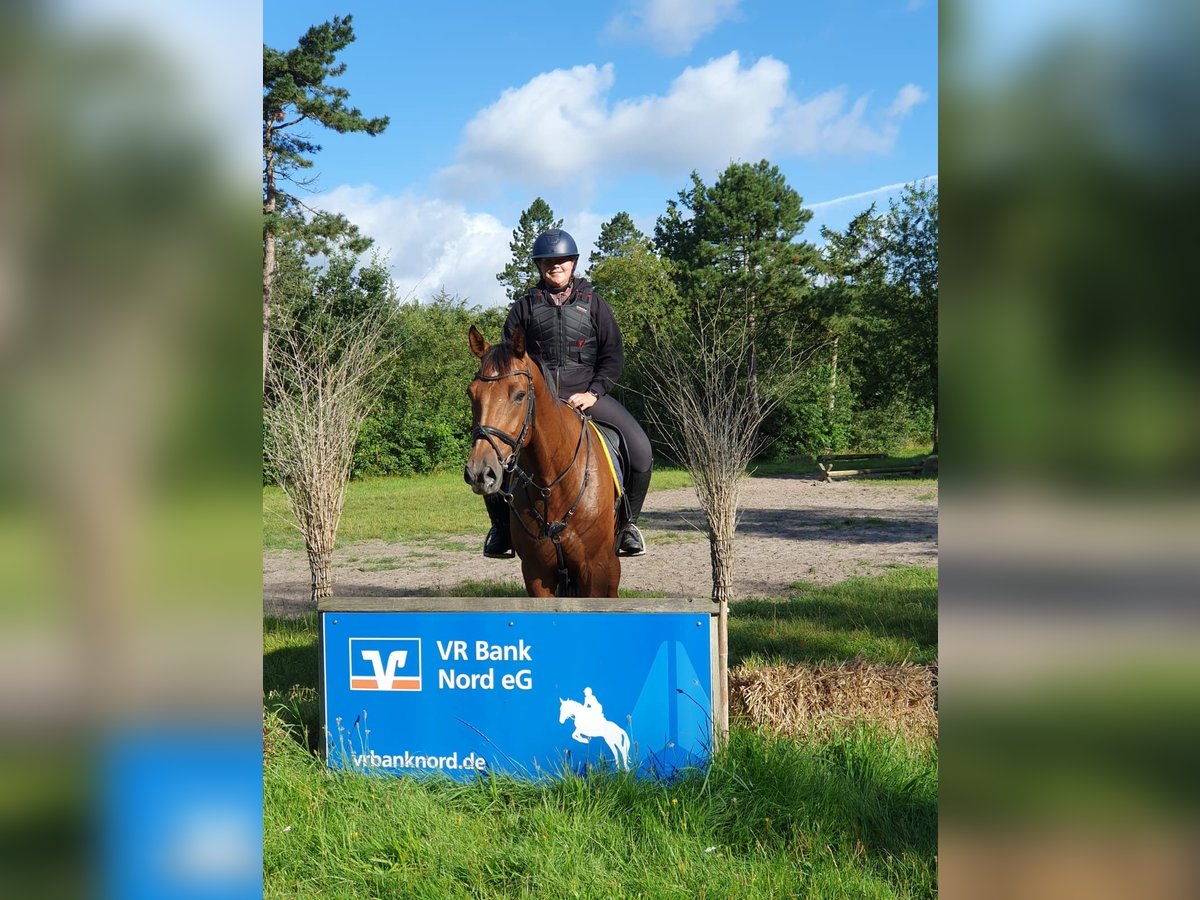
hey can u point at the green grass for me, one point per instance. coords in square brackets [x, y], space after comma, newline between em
[395, 509]
[854, 816]
[886, 619]
[851, 815]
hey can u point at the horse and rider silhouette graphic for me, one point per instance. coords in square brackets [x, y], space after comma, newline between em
[590, 723]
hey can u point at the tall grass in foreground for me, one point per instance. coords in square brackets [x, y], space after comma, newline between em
[852, 816]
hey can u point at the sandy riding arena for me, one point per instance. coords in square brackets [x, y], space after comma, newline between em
[793, 528]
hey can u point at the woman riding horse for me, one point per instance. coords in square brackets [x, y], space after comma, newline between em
[544, 458]
[571, 332]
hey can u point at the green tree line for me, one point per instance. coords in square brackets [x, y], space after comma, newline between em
[867, 298]
[861, 304]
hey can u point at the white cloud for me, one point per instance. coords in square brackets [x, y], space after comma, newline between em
[429, 243]
[560, 127]
[863, 195]
[711, 114]
[837, 212]
[908, 97]
[544, 128]
[672, 26]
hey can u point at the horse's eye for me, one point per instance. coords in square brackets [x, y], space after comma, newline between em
[518, 396]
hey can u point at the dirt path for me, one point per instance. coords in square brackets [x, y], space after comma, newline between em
[792, 529]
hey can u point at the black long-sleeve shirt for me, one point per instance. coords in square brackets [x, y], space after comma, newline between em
[610, 352]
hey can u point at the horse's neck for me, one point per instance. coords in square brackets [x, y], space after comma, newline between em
[555, 435]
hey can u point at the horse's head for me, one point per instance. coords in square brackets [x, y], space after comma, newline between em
[566, 709]
[502, 407]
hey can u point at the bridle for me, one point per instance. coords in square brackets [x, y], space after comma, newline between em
[545, 528]
[487, 433]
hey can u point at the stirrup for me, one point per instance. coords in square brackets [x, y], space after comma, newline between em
[495, 547]
[630, 541]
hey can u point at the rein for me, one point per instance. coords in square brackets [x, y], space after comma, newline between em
[545, 528]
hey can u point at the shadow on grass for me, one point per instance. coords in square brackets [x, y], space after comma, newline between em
[851, 526]
[887, 620]
[290, 666]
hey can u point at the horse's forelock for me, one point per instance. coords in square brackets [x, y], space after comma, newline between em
[498, 360]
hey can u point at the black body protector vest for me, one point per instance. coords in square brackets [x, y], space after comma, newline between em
[563, 336]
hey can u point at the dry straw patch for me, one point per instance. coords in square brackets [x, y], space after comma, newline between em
[811, 701]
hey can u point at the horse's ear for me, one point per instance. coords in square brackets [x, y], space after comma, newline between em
[478, 345]
[518, 343]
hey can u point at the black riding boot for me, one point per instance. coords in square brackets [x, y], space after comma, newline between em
[630, 541]
[498, 544]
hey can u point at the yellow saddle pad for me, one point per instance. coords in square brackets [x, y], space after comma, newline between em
[607, 456]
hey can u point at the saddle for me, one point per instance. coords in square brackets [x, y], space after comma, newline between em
[618, 462]
[610, 442]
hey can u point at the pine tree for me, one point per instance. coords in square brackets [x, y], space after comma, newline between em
[735, 249]
[521, 274]
[296, 92]
[912, 225]
[617, 237]
[880, 294]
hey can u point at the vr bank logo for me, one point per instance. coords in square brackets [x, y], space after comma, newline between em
[385, 664]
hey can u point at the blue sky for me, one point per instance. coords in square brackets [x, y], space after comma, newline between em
[605, 107]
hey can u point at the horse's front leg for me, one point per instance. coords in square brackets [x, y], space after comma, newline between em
[536, 582]
[579, 737]
[600, 579]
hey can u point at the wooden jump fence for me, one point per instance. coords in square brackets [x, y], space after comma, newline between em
[926, 466]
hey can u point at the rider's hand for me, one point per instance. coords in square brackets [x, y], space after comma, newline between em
[582, 401]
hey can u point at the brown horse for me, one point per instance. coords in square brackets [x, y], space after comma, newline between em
[560, 489]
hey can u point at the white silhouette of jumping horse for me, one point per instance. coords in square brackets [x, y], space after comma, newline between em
[590, 723]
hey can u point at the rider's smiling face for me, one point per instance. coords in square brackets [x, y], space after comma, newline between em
[557, 272]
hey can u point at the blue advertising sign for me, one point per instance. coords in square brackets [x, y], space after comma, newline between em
[516, 692]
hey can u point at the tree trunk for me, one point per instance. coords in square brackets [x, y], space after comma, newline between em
[721, 547]
[721, 731]
[935, 426]
[269, 207]
[752, 369]
[268, 282]
[833, 373]
[320, 563]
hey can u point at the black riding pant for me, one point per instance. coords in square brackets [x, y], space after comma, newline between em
[608, 411]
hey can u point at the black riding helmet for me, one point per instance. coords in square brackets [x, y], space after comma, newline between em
[554, 243]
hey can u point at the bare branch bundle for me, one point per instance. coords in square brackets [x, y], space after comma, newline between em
[709, 396]
[708, 403]
[323, 383]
